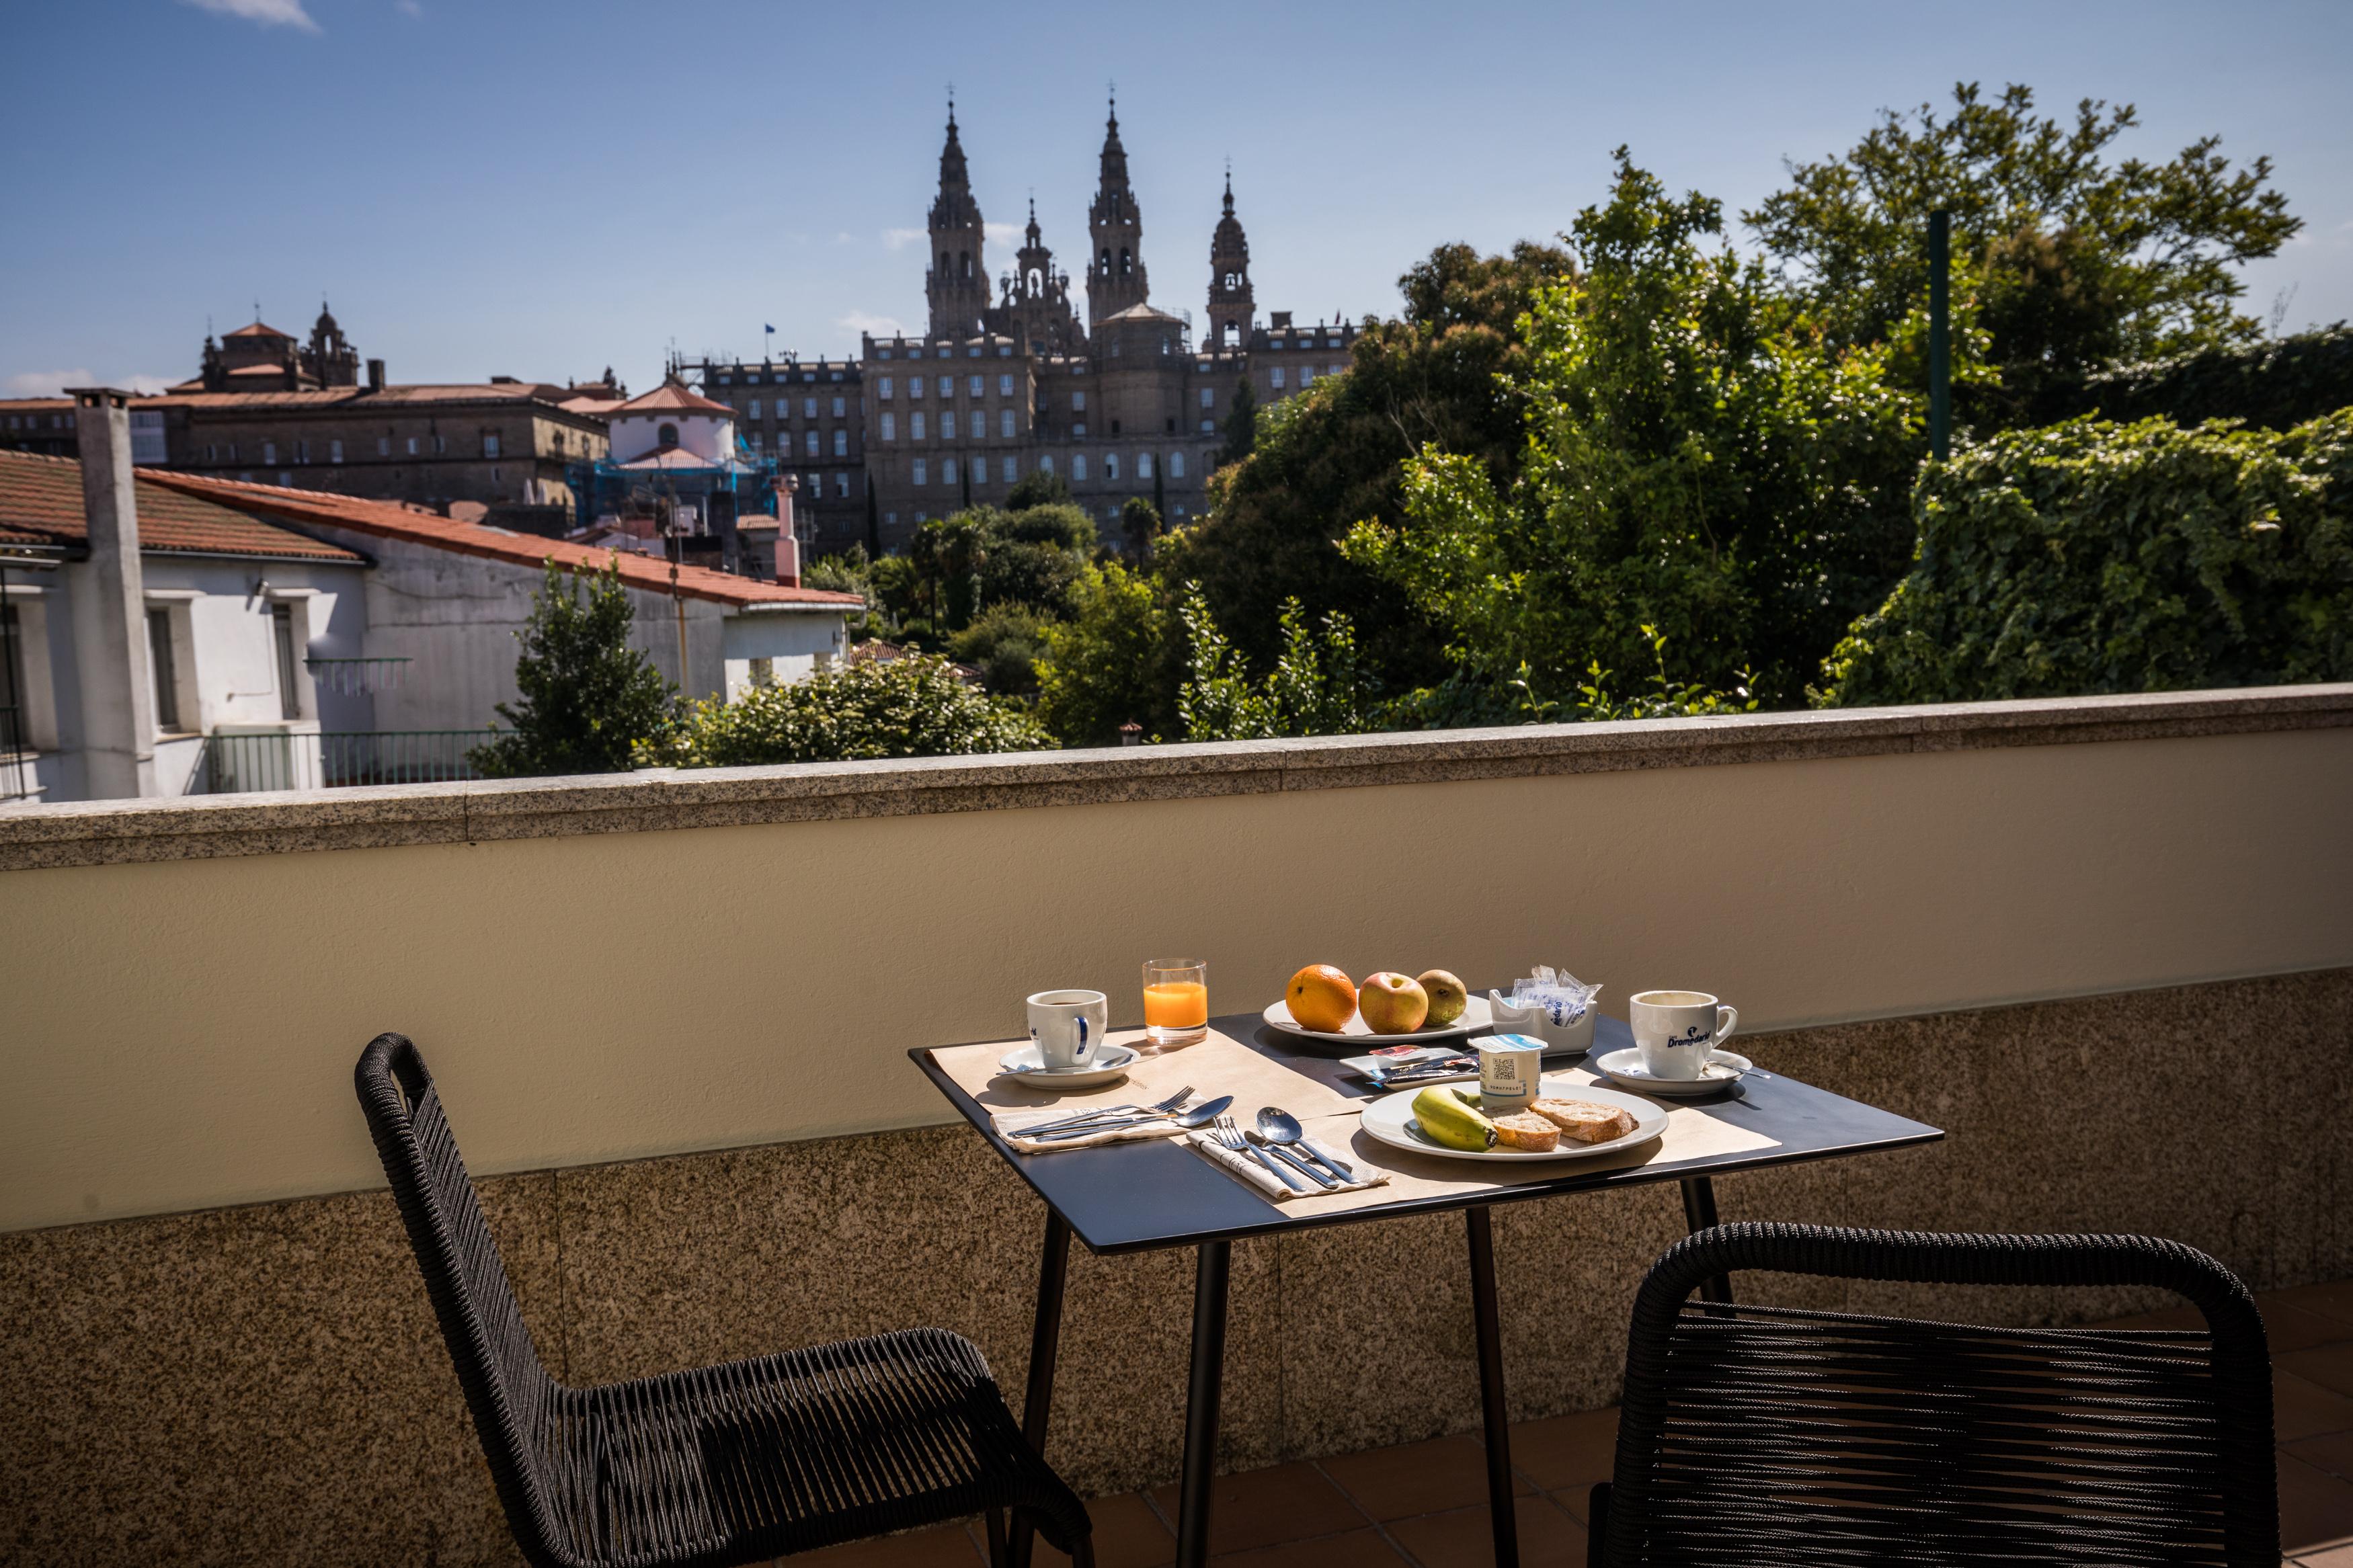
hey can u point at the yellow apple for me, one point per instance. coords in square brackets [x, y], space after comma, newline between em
[1391, 1004]
[1448, 998]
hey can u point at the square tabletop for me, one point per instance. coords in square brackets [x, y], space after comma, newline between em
[1136, 1195]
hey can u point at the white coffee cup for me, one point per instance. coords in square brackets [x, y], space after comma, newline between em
[1678, 1031]
[1510, 1066]
[1069, 1025]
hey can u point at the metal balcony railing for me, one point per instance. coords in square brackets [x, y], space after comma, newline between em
[337, 759]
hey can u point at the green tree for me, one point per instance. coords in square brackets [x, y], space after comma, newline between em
[2091, 557]
[1041, 487]
[1317, 686]
[913, 706]
[1241, 425]
[586, 697]
[1139, 525]
[1003, 643]
[1700, 466]
[2076, 259]
[1119, 658]
[1448, 373]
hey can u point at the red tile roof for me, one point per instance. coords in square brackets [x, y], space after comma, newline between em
[388, 519]
[672, 394]
[258, 331]
[40, 504]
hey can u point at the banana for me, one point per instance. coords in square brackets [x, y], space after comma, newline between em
[1447, 1118]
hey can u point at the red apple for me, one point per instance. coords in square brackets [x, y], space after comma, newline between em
[1392, 1004]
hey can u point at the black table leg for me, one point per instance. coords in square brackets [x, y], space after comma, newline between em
[1489, 1318]
[1201, 1397]
[1045, 1343]
[1699, 1214]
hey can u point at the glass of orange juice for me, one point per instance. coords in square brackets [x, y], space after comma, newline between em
[1176, 1001]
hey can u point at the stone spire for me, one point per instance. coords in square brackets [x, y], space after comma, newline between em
[957, 285]
[1116, 279]
[1232, 306]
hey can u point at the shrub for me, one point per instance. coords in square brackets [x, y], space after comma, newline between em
[913, 706]
[2091, 557]
[587, 698]
[2274, 384]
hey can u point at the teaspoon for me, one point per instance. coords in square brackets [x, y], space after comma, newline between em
[1279, 1126]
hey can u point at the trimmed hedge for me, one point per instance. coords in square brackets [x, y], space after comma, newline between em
[2275, 384]
[2096, 557]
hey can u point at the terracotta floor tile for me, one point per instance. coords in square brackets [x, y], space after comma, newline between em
[1566, 1450]
[1128, 1534]
[2331, 1366]
[1574, 1502]
[941, 1546]
[1416, 1478]
[1463, 1538]
[1265, 1508]
[2304, 1409]
[2332, 1452]
[1363, 1548]
[2290, 1328]
[2334, 1557]
[2334, 1299]
[2316, 1509]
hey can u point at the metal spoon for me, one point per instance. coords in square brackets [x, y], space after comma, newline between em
[1160, 1109]
[1279, 1126]
[1304, 1167]
[1199, 1116]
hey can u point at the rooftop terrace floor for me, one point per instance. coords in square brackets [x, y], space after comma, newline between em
[1421, 1505]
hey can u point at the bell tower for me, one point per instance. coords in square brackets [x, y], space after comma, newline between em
[1115, 269]
[957, 284]
[1232, 307]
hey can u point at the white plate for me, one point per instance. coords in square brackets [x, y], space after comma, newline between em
[1389, 1120]
[1024, 1066]
[1476, 1016]
[1724, 1069]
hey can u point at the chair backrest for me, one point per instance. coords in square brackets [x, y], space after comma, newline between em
[1756, 1435]
[508, 1388]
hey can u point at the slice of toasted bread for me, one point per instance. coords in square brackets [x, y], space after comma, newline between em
[1528, 1133]
[1585, 1121]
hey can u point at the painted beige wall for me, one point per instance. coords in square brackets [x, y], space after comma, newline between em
[179, 1035]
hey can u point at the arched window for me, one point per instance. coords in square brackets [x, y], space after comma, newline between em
[1106, 263]
[948, 471]
[966, 259]
[841, 443]
[1175, 465]
[1144, 465]
[1079, 467]
[1126, 262]
[943, 264]
[1233, 334]
[1233, 280]
[920, 470]
[1111, 464]
[667, 436]
[1045, 462]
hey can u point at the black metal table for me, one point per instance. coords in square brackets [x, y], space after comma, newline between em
[1135, 1196]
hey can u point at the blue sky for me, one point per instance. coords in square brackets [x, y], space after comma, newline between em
[495, 187]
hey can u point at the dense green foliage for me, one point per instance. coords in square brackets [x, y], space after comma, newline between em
[586, 696]
[913, 706]
[1317, 687]
[1444, 373]
[2093, 557]
[1003, 643]
[2074, 260]
[2274, 384]
[1118, 660]
[1701, 465]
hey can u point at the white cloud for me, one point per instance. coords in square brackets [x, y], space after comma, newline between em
[409, 7]
[268, 13]
[147, 385]
[900, 238]
[881, 326]
[47, 382]
[1006, 232]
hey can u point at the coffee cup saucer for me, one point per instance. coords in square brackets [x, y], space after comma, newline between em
[1025, 1065]
[1625, 1068]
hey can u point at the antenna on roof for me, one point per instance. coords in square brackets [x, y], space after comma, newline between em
[257, 313]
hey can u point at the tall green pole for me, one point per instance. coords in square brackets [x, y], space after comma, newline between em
[1940, 335]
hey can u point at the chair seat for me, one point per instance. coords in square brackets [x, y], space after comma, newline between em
[788, 1453]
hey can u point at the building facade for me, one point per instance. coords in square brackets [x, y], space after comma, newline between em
[1007, 382]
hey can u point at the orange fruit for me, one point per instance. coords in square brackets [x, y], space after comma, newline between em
[1321, 997]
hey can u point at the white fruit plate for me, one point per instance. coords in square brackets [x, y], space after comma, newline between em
[1389, 1120]
[1476, 1016]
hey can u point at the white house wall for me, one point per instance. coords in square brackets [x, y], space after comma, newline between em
[793, 641]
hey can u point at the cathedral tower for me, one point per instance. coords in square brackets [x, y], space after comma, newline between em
[957, 284]
[1115, 274]
[1035, 309]
[1232, 310]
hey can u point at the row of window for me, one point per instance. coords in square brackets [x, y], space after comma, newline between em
[808, 443]
[1306, 376]
[1004, 351]
[1008, 427]
[225, 451]
[33, 422]
[976, 386]
[919, 472]
[783, 406]
[752, 377]
[813, 486]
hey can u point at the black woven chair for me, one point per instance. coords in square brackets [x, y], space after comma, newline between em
[1760, 1436]
[731, 1464]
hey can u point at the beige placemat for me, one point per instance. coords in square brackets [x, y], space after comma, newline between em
[1220, 1065]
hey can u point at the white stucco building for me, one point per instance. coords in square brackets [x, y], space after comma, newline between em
[172, 634]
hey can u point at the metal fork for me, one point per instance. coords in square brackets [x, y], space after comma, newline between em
[1230, 1136]
[1173, 1102]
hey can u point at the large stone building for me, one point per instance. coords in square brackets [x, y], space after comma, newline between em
[1006, 380]
[267, 409]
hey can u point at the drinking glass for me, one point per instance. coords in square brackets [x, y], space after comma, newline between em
[1176, 1001]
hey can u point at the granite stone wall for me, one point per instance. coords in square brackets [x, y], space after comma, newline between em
[266, 1384]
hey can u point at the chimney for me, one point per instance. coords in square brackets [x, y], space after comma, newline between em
[375, 375]
[117, 705]
[788, 539]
